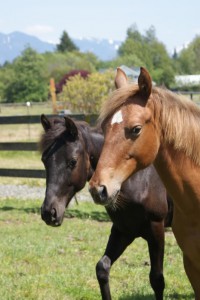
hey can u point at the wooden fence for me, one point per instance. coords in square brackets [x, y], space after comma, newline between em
[30, 146]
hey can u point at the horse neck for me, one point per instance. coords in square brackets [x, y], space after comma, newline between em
[179, 174]
[96, 140]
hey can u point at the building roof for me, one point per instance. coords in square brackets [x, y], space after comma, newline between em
[131, 73]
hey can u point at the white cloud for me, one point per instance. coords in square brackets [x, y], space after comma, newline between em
[39, 29]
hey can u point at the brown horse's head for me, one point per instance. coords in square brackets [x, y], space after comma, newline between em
[131, 136]
[66, 161]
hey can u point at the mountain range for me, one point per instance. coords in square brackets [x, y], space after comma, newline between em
[11, 46]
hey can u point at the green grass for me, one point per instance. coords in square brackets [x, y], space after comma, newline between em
[41, 262]
[22, 132]
[21, 109]
[21, 159]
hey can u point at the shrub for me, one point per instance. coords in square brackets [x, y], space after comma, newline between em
[65, 78]
[86, 95]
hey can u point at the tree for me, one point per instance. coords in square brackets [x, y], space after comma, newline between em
[27, 83]
[7, 75]
[136, 44]
[66, 44]
[189, 58]
[133, 33]
[128, 60]
[150, 53]
[57, 64]
[150, 35]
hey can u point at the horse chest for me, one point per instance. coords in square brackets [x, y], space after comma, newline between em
[129, 219]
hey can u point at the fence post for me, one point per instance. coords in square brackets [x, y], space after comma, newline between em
[53, 95]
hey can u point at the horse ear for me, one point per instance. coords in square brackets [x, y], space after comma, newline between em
[45, 122]
[71, 127]
[120, 79]
[145, 83]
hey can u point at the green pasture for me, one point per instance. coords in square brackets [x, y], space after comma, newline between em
[21, 159]
[41, 262]
[18, 109]
[22, 132]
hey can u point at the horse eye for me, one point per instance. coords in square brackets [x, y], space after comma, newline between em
[72, 163]
[135, 131]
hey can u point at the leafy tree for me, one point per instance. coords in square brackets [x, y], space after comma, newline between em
[175, 54]
[148, 52]
[135, 44]
[134, 34]
[163, 76]
[42, 67]
[189, 58]
[28, 82]
[66, 44]
[150, 35]
[7, 75]
[86, 95]
[57, 64]
[128, 60]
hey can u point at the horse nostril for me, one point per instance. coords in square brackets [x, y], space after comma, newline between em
[53, 214]
[99, 194]
[102, 192]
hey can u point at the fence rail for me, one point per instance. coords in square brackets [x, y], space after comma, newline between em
[18, 146]
[22, 173]
[31, 146]
[34, 119]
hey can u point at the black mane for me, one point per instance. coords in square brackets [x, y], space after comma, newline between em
[58, 129]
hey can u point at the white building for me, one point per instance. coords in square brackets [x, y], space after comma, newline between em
[187, 80]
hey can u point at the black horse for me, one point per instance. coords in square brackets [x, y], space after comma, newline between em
[70, 151]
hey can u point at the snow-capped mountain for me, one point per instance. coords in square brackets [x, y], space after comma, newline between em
[11, 46]
[103, 48]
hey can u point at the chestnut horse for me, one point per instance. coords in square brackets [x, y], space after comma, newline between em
[143, 125]
[71, 150]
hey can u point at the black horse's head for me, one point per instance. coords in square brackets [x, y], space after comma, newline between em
[67, 165]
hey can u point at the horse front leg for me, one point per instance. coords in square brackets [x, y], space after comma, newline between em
[116, 245]
[156, 240]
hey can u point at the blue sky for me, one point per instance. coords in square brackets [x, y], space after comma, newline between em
[176, 22]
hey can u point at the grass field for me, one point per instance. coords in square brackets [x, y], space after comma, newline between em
[22, 109]
[40, 262]
[22, 132]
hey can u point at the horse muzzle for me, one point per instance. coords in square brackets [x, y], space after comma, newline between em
[51, 216]
[99, 194]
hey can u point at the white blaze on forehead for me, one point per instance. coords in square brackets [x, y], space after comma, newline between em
[117, 118]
